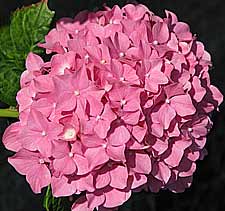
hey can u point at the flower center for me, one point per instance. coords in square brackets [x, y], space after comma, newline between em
[70, 133]
[122, 79]
[104, 145]
[76, 93]
[147, 75]
[167, 61]
[123, 102]
[43, 133]
[167, 101]
[190, 129]
[155, 42]
[98, 117]
[103, 61]
[41, 161]
[86, 56]
[121, 54]
[70, 154]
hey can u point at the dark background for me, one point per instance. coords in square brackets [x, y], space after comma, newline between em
[207, 193]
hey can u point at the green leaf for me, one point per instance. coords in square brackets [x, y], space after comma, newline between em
[51, 203]
[28, 27]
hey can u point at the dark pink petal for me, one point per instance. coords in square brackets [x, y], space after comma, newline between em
[172, 17]
[181, 184]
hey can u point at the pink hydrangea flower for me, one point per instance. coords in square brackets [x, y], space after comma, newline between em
[123, 105]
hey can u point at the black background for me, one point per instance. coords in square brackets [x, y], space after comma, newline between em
[207, 20]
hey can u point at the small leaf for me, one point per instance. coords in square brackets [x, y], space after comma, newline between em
[28, 27]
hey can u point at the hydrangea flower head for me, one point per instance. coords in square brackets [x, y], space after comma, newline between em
[123, 105]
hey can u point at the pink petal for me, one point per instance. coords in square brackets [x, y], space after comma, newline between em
[102, 179]
[166, 115]
[139, 132]
[161, 171]
[160, 32]
[65, 165]
[61, 187]
[182, 31]
[177, 152]
[34, 62]
[116, 198]
[39, 178]
[96, 157]
[120, 136]
[119, 177]
[116, 153]
[143, 163]
[138, 180]
[10, 137]
[82, 164]
[95, 199]
[183, 105]
[199, 91]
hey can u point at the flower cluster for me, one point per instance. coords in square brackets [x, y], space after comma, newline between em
[123, 105]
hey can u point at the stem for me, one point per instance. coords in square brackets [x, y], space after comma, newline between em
[8, 112]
